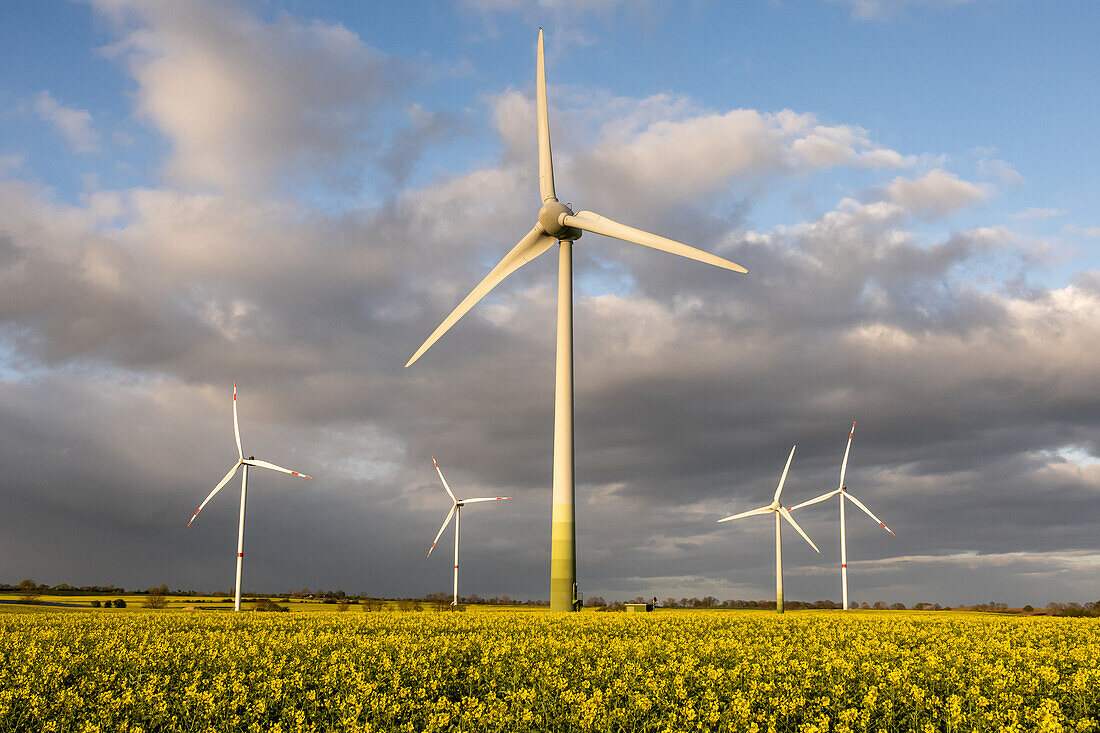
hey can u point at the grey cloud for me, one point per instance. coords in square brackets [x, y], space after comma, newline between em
[408, 144]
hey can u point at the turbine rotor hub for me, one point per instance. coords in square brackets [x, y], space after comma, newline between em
[550, 217]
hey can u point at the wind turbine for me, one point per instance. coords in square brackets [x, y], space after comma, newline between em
[243, 463]
[558, 223]
[842, 490]
[777, 509]
[456, 512]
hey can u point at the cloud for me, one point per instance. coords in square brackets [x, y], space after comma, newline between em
[1000, 170]
[125, 318]
[1090, 232]
[937, 193]
[10, 162]
[1033, 212]
[710, 152]
[883, 9]
[408, 144]
[570, 7]
[74, 124]
[691, 385]
[245, 102]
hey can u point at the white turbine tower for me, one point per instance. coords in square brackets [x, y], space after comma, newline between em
[558, 223]
[244, 463]
[456, 512]
[842, 490]
[777, 509]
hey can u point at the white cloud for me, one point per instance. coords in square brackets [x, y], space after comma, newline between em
[1033, 212]
[242, 101]
[74, 124]
[881, 9]
[702, 153]
[10, 162]
[1090, 232]
[1000, 170]
[572, 7]
[936, 194]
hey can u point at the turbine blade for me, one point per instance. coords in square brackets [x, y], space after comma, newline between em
[783, 478]
[440, 534]
[272, 466]
[546, 163]
[844, 465]
[531, 246]
[787, 515]
[217, 488]
[484, 498]
[445, 486]
[236, 428]
[593, 222]
[749, 513]
[869, 514]
[816, 499]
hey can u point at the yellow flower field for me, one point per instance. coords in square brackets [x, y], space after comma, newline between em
[809, 671]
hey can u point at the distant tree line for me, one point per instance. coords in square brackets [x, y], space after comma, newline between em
[62, 589]
[157, 597]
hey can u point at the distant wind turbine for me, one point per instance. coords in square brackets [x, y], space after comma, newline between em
[558, 223]
[242, 463]
[777, 509]
[842, 490]
[456, 512]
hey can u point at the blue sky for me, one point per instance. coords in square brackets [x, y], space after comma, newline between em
[1008, 76]
[294, 194]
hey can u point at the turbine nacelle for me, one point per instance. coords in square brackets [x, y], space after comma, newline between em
[552, 220]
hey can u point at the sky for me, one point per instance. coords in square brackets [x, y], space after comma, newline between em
[293, 195]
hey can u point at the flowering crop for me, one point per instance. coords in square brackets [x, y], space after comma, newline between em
[809, 671]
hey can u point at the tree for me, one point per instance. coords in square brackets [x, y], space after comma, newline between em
[96, 604]
[595, 601]
[156, 597]
[119, 603]
[28, 591]
[897, 606]
[1028, 608]
[266, 604]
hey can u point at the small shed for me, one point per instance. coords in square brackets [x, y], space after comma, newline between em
[638, 607]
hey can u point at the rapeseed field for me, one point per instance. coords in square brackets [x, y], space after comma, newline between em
[736, 671]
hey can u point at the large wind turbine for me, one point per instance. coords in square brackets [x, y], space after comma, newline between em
[456, 512]
[777, 509]
[842, 490]
[242, 463]
[558, 223]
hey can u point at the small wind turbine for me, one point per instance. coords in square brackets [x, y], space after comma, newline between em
[558, 223]
[244, 463]
[777, 509]
[456, 512]
[842, 490]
